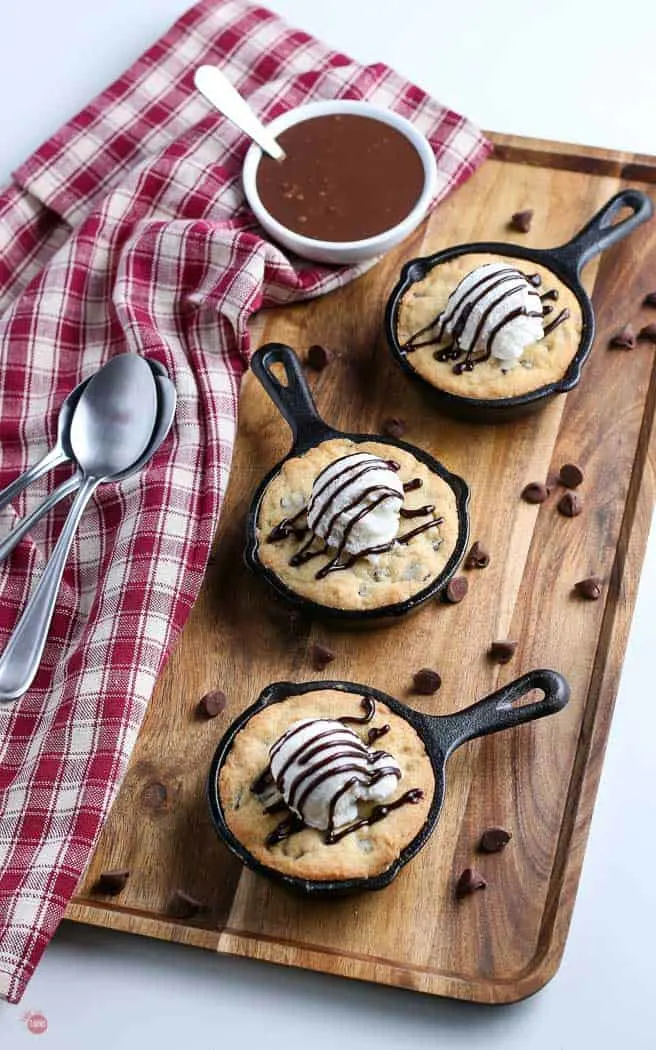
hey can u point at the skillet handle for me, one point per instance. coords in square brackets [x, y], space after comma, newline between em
[601, 232]
[496, 712]
[294, 400]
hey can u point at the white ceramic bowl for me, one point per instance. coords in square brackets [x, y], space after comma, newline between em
[342, 251]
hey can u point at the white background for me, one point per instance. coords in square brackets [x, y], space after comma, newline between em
[582, 71]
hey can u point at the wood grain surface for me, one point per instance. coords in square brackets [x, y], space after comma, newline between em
[539, 781]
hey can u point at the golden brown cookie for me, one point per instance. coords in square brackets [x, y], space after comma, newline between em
[370, 583]
[542, 363]
[305, 854]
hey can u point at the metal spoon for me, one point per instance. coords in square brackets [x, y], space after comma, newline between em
[59, 453]
[166, 399]
[111, 428]
[218, 90]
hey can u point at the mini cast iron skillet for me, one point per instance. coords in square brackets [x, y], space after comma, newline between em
[566, 262]
[308, 430]
[441, 735]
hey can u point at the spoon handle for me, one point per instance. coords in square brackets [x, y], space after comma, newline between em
[37, 470]
[22, 655]
[218, 90]
[25, 525]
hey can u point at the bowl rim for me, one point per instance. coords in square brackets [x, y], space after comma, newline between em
[418, 268]
[393, 610]
[323, 107]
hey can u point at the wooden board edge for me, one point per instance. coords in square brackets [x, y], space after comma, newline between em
[231, 943]
[605, 687]
[543, 153]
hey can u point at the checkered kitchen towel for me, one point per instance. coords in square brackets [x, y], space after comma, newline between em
[128, 231]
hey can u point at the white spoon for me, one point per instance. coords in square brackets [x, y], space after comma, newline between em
[218, 90]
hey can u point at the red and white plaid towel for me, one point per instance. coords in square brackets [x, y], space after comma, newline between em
[128, 231]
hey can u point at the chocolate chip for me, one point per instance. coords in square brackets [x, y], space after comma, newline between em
[394, 427]
[624, 340]
[318, 357]
[112, 882]
[570, 504]
[502, 652]
[648, 333]
[521, 220]
[426, 681]
[456, 589]
[320, 656]
[649, 300]
[534, 492]
[469, 882]
[478, 557]
[154, 795]
[212, 704]
[590, 588]
[493, 840]
[184, 906]
[570, 475]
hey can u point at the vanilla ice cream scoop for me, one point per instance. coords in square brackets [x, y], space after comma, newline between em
[322, 770]
[355, 503]
[494, 311]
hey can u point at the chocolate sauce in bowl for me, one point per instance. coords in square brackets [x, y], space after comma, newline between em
[345, 177]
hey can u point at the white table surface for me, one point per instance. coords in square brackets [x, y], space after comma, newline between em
[576, 70]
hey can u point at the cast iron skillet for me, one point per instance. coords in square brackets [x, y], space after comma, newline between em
[308, 429]
[566, 262]
[441, 735]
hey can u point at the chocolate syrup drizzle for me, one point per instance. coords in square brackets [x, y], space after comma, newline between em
[306, 781]
[307, 551]
[466, 304]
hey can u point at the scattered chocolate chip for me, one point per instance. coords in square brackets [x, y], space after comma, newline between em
[478, 557]
[624, 340]
[590, 588]
[649, 300]
[521, 220]
[469, 882]
[112, 882]
[493, 840]
[570, 475]
[426, 681]
[456, 589]
[534, 492]
[394, 427]
[648, 333]
[184, 906]
[154, 795]
[570, 504]
[320, 656]
[318, 357]
[502, 652]
[212, 704]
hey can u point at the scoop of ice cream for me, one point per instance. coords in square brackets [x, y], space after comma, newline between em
[322, 770]
[495, 310]
[355, 503]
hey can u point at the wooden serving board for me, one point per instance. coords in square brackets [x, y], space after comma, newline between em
[539, 781]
